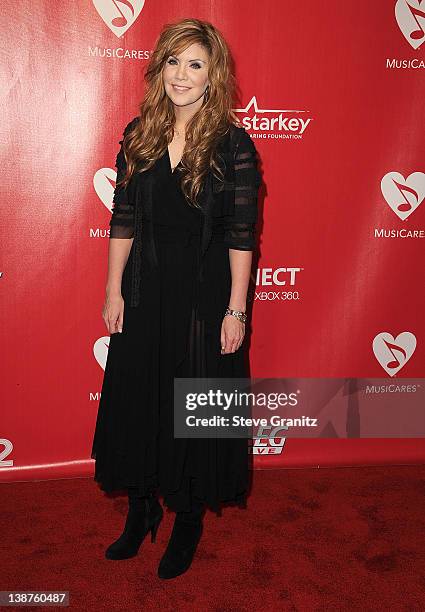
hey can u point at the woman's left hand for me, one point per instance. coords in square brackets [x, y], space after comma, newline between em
[232, 334]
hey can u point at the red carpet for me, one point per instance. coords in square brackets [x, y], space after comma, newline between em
[310, 540]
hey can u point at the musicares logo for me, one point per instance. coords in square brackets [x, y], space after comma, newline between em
[410, 16]
[104, 182]
[100, 350]
[119, 15]
[402, 195]
[393, 353]
[273, 120]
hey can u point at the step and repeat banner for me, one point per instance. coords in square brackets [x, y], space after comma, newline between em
[333, 94]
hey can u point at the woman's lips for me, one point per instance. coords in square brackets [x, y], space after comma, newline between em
[180, 89]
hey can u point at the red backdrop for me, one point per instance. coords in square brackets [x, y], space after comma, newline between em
[333, 94]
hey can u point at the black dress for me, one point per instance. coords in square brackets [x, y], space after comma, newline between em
[134, 444]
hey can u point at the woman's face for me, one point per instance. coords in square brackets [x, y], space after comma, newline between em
[189, 70]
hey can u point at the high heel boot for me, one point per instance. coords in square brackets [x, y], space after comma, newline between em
[185, 536]
[144, 515]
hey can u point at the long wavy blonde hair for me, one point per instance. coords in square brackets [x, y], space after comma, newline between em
[148, 140]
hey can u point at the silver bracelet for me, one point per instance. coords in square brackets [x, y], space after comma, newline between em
[236, 313]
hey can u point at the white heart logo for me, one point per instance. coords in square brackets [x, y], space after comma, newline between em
[119, 15]
[104, 185]
[100, 350]
[410, 16]
[393, 353]
[403, 196]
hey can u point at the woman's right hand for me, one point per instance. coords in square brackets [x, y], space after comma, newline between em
[113, 312]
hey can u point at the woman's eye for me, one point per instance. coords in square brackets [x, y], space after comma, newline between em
[195, 64]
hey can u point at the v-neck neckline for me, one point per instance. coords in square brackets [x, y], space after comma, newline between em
[172, 170]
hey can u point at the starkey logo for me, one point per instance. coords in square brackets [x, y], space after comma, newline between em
[285, 123]
[119, 15]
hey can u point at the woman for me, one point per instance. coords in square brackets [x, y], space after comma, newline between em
[180, 253]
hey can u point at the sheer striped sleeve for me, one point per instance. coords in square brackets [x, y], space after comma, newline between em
[240, 228]
[122, 220]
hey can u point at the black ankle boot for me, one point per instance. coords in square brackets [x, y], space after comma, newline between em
[144, 515]
[185, 536]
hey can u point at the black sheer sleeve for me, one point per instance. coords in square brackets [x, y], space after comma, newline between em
[240, 228]
[122, 220]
